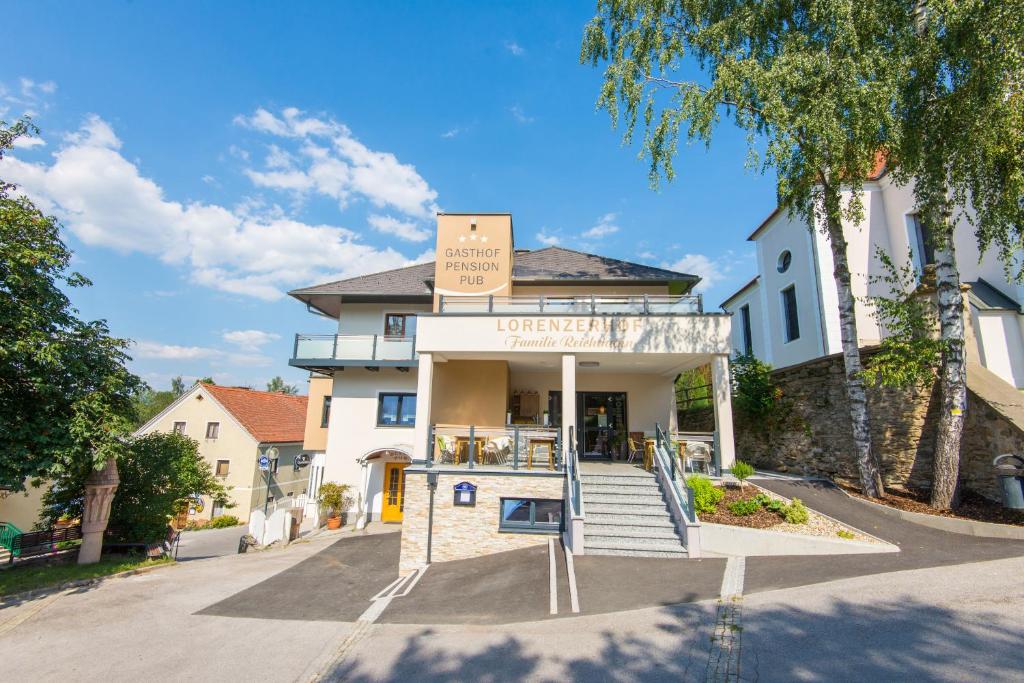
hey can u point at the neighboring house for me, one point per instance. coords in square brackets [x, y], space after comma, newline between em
[234, 426]
[314, 444]
[22, 509]
[538, 355]
[789, 312]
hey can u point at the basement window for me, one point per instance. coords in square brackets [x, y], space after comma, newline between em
[530, 515]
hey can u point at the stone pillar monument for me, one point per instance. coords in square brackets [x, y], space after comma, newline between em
[99, 493]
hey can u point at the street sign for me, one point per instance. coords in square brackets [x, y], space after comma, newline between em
[264, 463]
[302, 460]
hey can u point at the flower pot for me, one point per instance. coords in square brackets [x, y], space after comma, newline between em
[334, 522]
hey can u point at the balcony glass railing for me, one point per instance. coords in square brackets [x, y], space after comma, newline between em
[354, 347]
[650, 304]
[514, 447]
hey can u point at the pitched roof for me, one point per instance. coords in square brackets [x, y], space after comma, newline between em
[558, 263]
[756, 279]
[987, 298]
[408, 281]
[269, 416]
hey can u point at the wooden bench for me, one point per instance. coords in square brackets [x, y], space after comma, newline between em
[35, 543]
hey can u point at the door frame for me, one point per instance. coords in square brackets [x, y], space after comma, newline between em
[388, 512]
[580, 417]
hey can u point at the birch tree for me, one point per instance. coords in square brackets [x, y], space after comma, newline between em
[812, 81]
[962, 147]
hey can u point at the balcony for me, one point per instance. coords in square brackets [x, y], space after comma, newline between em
[645, 304]
[329, 352]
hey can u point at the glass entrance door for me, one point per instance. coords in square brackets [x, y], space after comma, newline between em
[601, 416]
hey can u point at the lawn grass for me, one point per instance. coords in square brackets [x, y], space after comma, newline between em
[33, 576]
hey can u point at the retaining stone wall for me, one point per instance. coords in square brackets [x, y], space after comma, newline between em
[461, 532]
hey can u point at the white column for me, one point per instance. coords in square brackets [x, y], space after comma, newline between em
[723, 410]
[424, 392]
[568, 397]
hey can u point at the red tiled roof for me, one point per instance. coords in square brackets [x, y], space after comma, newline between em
[269, 417]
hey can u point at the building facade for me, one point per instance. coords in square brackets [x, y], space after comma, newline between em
[789, 312]
[464, 390]
[234, 427]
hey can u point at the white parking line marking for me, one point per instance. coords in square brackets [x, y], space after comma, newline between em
[552, 576]
[570, 568]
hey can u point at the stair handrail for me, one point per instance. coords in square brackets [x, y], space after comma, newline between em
[574, 492]
[680, 503]
[8, 532]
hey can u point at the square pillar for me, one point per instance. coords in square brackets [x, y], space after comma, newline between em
[568, 398]
[424, 393]
[723, 411]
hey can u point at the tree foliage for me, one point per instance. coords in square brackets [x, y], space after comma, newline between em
[159, 473]
[911, 351]
[753, 391]
[278, 385]
[65, 395]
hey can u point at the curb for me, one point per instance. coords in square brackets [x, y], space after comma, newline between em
[833, 519]
[79, 583]
[964, 527]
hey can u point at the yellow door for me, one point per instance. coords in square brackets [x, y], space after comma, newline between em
[394, 491]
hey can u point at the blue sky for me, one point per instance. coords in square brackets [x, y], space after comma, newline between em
[207, 157]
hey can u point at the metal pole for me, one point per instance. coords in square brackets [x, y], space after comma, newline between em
[472, 445]
[515, 448]
[430, 521]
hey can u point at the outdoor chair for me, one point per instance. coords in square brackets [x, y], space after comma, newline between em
[446, 450]
[496, 451]
[634, 450]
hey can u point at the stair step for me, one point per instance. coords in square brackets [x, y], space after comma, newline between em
[598, 534]
[618, 479]
[627, 548]
[643, 487]
[623, 498]
[663, 521]
[659, 510]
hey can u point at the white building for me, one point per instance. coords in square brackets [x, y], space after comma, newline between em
[789, 312]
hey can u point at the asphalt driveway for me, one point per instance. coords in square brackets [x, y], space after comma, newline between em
[204, 543]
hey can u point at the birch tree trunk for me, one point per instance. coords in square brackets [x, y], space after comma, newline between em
[867, 466]
[952, 374]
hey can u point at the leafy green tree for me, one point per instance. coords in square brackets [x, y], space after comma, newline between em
[65, 395]
[278, 385]
[205, 380]
[159, 473]
[962, 148]
[177, 386]
[149, 403]
[753, 392]
[813, 80]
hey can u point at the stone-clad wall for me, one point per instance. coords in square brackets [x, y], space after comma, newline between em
[817, 439]
[462, 532]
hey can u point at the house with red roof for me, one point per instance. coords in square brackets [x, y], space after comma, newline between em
[236, 428]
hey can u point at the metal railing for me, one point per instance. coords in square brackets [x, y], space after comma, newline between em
[667, 462]
[515, 447]
[354, 347]
[645, 304]
[7, 533]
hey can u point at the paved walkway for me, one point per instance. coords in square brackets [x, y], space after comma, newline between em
[205, 543]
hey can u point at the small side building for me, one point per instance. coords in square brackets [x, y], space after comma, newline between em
[234, 427]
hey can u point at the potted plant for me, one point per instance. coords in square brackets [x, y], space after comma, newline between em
[335, 498]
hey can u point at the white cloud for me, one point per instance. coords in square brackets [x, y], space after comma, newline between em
[332, 162]
[27, 97]
[547, 239]
[711, 271]
[605, 226]
[514, 48]
[519, 115]
[252, 250]
[30, 88]
[27, 142]
[405, 230]
[149, 349]
[249, 340]
[451, 133]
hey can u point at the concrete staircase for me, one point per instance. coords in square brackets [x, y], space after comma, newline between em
[626, 514]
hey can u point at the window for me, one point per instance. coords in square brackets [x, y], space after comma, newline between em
[273, 465]
[748, 341]
[325, 413]
[921, 241]
[212, 430]
[399, 325]
[222, 468]
[530, 514]
[785, 258]
[789, 314]
[179, 427]
[396, 410]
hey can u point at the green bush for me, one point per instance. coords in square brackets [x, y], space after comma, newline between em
[796, 512]
[848, 535]
[706, 495]
[223, 522]
[769, 503]
[741, 470]
[742, 508]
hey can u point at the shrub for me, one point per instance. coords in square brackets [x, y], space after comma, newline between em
[742, 508]
[754, 392]
[769, 503]
[334, 497]
[796, 512]
[741, 470]
[223, 522]
[848, 535]
[706, 495]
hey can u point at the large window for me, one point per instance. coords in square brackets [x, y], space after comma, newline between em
[212, 430]
[530, 514]
[921, 241]
[789, 314]
[396, 410]
[748, 341]
[400, 325]
[179, 427]
[222, 467]
[325, 414]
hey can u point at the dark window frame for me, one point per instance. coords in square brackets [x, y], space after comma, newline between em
[748, 340]
[532, 526]
[399, 412]
[405, 323]
[227, 468]
[790, 314]
[216, 430]
[325, 413]
[922, 241]
[179, 430]
[785, 260]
